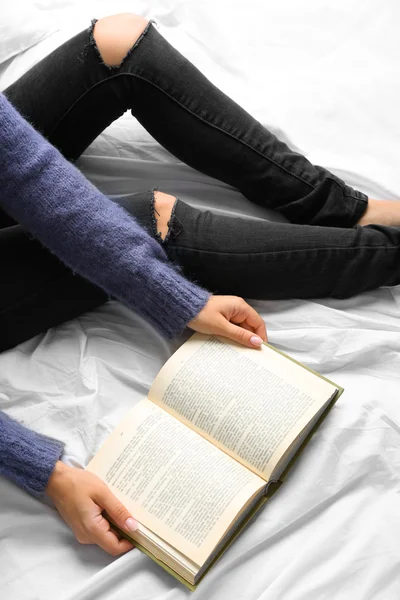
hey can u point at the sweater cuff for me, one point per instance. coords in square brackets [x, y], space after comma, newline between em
[182, 300]
[26, 457]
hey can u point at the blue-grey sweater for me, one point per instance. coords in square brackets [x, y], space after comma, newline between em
[97, 239]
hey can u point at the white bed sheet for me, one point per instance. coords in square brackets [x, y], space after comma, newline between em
[326, 77]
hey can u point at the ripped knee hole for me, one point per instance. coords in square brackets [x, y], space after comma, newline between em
[117, 35]
[163, 206]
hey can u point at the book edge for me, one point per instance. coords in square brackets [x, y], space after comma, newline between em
[163, 565]
[339, 388]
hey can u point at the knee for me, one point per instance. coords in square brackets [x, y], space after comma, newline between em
[163, 205]
[115, 36]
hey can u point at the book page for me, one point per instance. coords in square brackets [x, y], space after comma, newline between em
[174, 481]
[250, 403]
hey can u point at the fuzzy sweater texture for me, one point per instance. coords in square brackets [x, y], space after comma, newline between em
[96, 238]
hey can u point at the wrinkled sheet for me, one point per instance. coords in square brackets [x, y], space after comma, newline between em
[325, 77]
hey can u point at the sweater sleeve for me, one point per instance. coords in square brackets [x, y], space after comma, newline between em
[26, 457]
[91, 234]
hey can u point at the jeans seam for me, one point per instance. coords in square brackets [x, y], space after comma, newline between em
[77, 102]
[343, 187]
[294, 251]
[218, 128]
[186, 109]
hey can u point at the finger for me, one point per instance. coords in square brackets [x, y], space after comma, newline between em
[116, 510]
[245, 326]
[261, 331]
[239, 334]
[257, 323]
[249, 316]
[108, 540]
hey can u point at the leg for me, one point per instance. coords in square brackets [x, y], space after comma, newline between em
[113, 37]
[182, 110]
[210, 132]
[263, 260]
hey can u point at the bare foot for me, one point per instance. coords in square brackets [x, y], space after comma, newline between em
[381, 212]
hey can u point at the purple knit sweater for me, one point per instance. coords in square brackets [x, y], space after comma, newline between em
[97, 239]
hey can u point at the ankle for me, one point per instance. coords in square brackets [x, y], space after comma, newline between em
[369, 215]
[381, 212]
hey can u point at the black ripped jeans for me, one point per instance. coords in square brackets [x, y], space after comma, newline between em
[71, 97]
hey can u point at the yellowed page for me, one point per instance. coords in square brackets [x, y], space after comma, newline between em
[251, 403]
[174, 481]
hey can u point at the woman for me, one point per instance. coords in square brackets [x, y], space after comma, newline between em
[123, 63]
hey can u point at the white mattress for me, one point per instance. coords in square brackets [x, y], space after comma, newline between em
[326, 77]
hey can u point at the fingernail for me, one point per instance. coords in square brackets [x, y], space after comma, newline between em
[255, 340]
[131, 524]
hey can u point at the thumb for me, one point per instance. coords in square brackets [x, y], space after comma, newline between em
[240, 335]
[116, 510]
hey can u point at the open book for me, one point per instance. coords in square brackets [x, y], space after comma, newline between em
[194, 460]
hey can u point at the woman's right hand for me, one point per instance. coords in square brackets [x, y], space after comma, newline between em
[80, 497]
[233, 318]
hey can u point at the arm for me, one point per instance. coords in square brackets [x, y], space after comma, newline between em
[30, 460]
[26, 457]
[87, 231]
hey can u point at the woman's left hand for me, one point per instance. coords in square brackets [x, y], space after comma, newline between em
[80, 498]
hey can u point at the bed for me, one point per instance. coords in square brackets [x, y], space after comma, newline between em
[325, 77]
